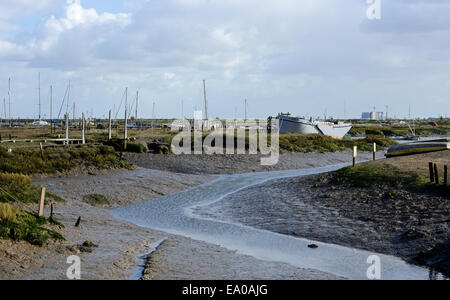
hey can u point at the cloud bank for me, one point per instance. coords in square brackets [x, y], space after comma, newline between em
[300, 56]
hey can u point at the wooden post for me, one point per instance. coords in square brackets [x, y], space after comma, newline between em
[41, 204]
[109, 127]
[83, 129]
[355, 155]
[42, 150]
[77, 224]
[125, 136]
[125, 132]
[374, 151]
[67, 128]
[430, 166]
[445, 175]
[436, 175]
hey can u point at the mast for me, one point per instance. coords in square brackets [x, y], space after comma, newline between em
[9, 99]
[51, 104]
[206, 103]
[245, 104]
[126, 98]
[68, 100]
[39, 94]
[137, 102]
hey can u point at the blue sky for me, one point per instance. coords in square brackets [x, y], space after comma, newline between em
[301, 56]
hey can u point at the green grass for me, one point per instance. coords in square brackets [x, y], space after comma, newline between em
[20, 225]
[365, 176]
[20, 187]
[387, 175]
[27, 227]
[96, 200]
[32, 161]
[392, 131]
[320, 143]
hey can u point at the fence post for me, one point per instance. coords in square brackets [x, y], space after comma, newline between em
[445, 175]
[42, 150]
[436, 174]
[430, 166]
[125, 137]
[67, 128]
[41, 204]
[374, 151]
[355, 154]
[109, 127]
[83, 129]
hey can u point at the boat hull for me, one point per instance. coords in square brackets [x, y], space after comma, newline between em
[295, 125]
[417, 148]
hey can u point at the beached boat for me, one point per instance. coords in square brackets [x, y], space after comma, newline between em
[301, 125]
[418, 147]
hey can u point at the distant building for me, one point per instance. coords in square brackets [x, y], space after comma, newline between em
[366, 116]
[374, 116]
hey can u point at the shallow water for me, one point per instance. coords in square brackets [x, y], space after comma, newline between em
[175, 214]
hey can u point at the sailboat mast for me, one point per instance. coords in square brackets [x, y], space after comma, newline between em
[137, 102]
[51, 104]
[9, 99]
[245, 104]
[39, 94]
[206, 103]
[68, 99]
[126, 98]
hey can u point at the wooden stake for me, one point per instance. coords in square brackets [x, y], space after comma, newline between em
[42, 150]
[374, 151]
[436, 175]
[67, 127]
[125, 132]
[430, 166]
[83, 129]
[41, 205]
[445, 175]
[109, 127]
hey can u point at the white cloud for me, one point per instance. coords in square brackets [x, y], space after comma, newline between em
[307, 54]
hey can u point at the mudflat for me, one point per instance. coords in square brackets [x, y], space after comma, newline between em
[413, 225]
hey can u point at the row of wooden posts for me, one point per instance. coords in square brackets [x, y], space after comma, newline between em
[125, 133]
[355, 153]
[434, 174]
[83, 129]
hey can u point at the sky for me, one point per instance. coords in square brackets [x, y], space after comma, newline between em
[307, 57]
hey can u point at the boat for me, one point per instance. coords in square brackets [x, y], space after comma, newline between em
[418, 147]
[40, 123]
[287, 123]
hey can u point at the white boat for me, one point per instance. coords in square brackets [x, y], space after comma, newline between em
[40, 123]
[301, 125]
